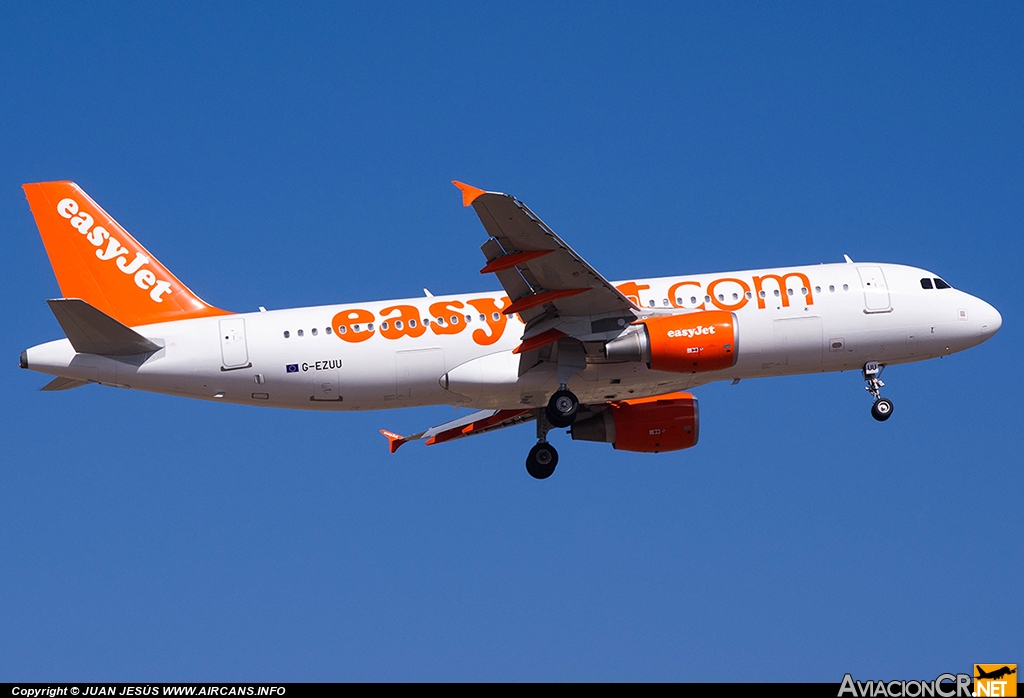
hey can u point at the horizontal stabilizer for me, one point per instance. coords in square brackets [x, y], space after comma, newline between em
[62, 383]
[93, 332]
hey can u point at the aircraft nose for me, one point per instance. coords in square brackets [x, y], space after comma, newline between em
[991, 320]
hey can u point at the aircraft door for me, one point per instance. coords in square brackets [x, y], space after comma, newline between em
[876, 292]
[233, 350]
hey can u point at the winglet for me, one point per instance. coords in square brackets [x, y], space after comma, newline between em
[469, 194]
[394, 440]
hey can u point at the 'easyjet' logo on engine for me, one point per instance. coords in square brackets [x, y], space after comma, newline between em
[691, 332]
[110, 249]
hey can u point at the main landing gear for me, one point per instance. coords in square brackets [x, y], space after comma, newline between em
[882, 409]
[542, 460]
[562, 408]
[560, 412]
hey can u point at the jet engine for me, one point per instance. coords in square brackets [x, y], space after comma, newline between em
[646, 425]
[683, 343]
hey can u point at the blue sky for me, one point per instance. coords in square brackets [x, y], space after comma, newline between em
[288, 156]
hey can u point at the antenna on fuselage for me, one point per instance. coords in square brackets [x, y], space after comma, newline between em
[847, 258]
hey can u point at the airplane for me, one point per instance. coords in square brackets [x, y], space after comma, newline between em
[560, 345]
[994, 674]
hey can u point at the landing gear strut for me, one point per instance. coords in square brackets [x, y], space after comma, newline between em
[543, 457]
[882, 409]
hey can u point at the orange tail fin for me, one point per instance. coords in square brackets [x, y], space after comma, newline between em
[95, 259]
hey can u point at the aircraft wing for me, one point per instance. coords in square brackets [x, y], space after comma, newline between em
[552, 288]
[468, 425]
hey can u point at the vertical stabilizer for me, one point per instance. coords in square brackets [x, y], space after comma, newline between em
[96, 260]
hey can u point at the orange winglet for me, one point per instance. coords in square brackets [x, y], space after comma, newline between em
[535, 299]
[469, 194]
[541, 340]
[508, 261]
[394, 440]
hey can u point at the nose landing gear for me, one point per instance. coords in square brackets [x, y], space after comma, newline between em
[881, 410]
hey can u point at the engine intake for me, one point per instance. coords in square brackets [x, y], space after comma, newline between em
[683, 343]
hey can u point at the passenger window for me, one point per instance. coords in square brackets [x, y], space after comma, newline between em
[412, 323]
[777, 294]
[707, 299]
[721, 297]
[803, 290]
[939, 283]
[327, 330]
[748, 295]
[313, 331]
[760, 294]
[665, 302]
[398, 325]
[693, 299]
[342, 329]
[454, 319]
[299, 333]
[831, 288]
[483, 318]
[817, 289]
[287, 334]
[926, 283]
[651, 303]
[846, 287]
[495, 316]
[789, 291]
[369, 328]
[384, 325]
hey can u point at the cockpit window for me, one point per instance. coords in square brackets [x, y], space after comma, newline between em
[939, 283]
[926, 283]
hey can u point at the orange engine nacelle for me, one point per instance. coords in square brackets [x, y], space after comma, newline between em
[684, 343]
[647, 425]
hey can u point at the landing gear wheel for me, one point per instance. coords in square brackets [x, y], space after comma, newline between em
[562, 408]
[542, 460]
[882, 409]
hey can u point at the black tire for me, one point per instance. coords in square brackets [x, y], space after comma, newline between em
[542, 461]
[562, 408]
[882, 409]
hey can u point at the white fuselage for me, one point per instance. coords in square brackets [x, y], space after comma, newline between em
[828, 317]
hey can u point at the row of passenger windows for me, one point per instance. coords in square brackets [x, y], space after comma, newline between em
[301, 333]
[939, 283]
[748, 295]
[399, 324]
